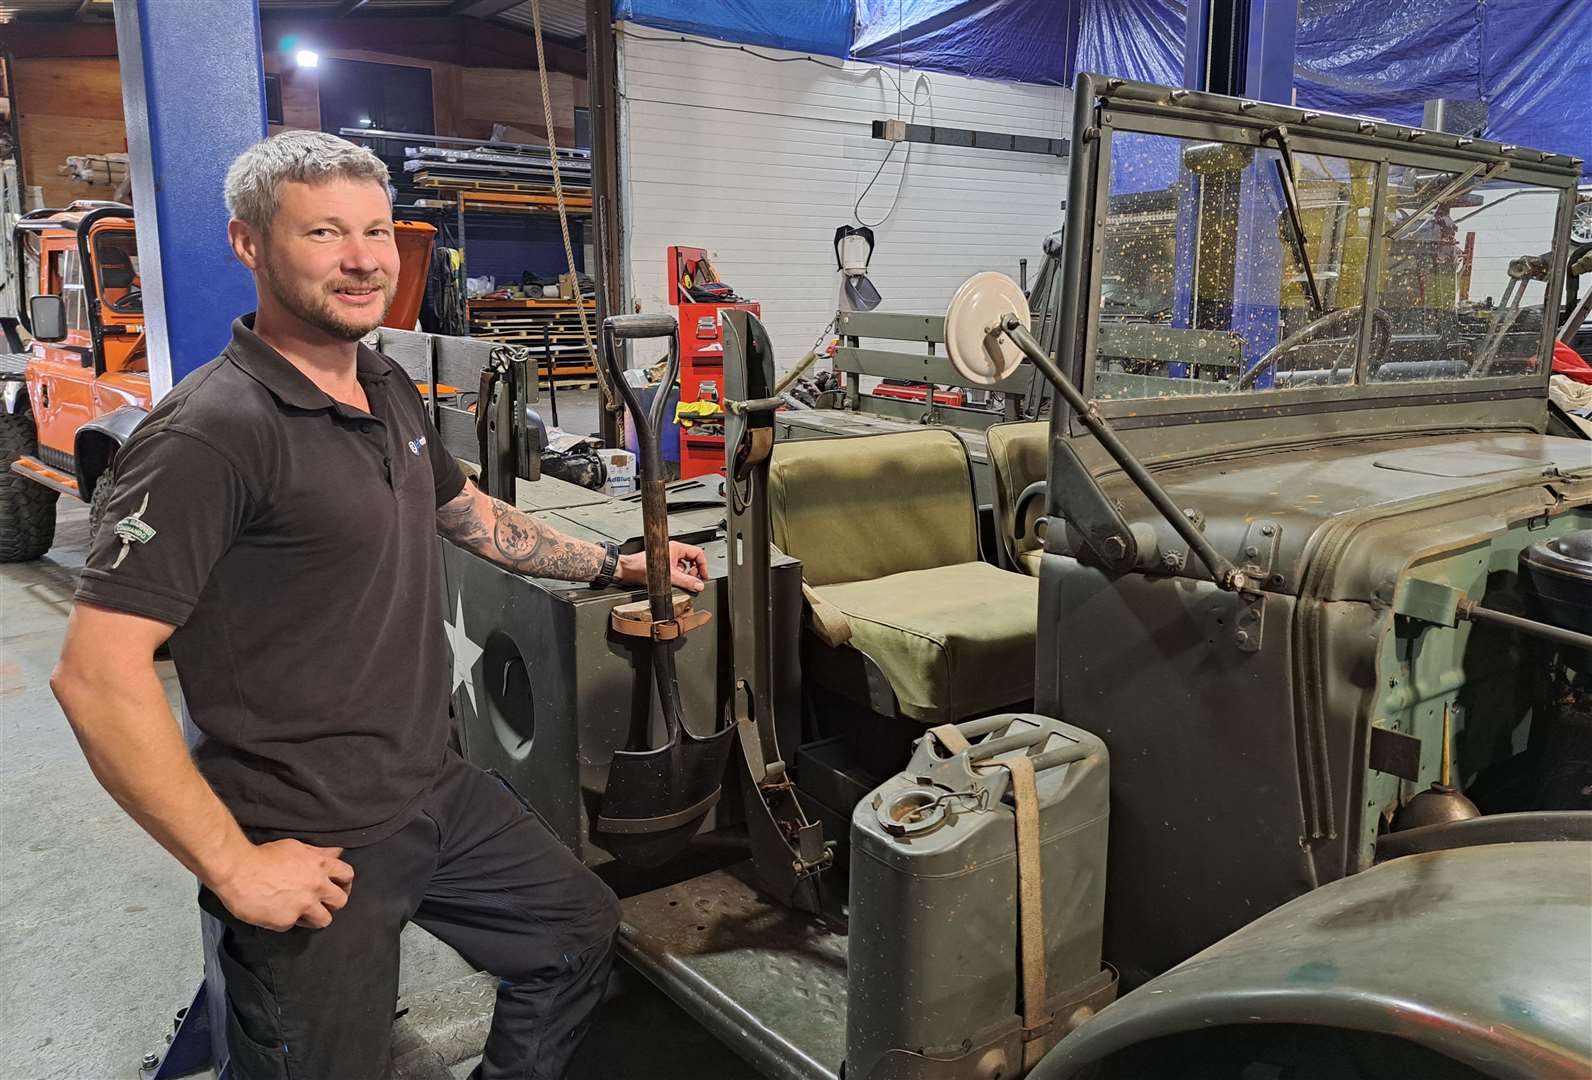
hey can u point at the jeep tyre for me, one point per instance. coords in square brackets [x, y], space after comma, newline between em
[27, 509]
[97, 505]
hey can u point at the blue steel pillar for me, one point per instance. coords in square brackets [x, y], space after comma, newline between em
[193, 91]
[1244, 48]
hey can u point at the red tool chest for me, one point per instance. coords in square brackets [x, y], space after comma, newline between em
[701, 358]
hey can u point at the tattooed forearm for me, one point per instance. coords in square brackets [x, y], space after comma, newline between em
[459, 522]
[515, 540]
[522, 543]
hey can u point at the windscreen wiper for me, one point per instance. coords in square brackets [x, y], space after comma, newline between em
[1296, 224]
[1459, 184]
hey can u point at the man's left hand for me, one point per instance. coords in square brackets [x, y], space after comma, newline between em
[688, 567]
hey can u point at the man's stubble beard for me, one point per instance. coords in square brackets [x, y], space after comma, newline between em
[313, 303]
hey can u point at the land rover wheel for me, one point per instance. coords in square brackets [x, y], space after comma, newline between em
[27, 509]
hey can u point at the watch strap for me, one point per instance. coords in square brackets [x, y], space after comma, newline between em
[610, 566]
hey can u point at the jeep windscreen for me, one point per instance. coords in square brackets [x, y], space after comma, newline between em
[70, 272]
[1268, 260]
[116, 264]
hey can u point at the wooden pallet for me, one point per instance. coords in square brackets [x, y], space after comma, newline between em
[533, 323]
[535, 193]
[529, 333]
[499, 200]
[532, 303]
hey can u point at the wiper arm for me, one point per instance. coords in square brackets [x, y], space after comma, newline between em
[1295, 222]
[1463, 182]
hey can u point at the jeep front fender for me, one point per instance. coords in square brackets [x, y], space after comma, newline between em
[97, 442]
[1481, 954]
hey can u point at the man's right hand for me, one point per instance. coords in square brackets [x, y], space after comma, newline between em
[285, 884]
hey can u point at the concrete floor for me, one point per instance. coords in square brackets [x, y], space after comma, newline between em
[577, 410]
[99, 932]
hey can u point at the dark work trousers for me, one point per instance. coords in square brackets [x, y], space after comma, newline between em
[479, 871]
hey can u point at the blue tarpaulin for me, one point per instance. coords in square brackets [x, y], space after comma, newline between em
[1012, 40]
[1136, 39]
[1537, 70]
[822, 27]
[1384, 60]
[1529, 60]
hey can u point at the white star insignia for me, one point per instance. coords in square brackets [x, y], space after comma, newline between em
[465, 651]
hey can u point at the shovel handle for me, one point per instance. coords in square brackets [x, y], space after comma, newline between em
[642, 325]
[655, 534]
[654, 500]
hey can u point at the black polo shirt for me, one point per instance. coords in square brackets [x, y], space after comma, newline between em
[292, 541]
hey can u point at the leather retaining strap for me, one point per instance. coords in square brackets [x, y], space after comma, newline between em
[828, 621]
[635, 619]
[1037, 1018]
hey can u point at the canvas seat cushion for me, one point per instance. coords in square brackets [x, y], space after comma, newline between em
[857, 509]
[954, 641]
[1019, 455]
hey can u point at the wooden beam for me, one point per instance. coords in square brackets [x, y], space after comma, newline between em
[607, 213]
[55, 38]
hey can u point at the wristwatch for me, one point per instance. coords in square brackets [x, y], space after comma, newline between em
[610, 566]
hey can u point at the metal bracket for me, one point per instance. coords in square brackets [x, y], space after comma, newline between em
[1261, 542]
[1395, 753]
[934, 135]
[789, 852]
[1251, 620]
[1429, 602]
[1087, 510]
[188, 1046]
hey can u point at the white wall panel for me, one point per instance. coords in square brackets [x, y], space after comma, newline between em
[1506, 230]
[760, 162]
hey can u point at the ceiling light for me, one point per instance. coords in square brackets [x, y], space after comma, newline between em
[307, 58]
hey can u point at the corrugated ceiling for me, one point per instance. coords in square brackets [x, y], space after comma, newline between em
[562, 19]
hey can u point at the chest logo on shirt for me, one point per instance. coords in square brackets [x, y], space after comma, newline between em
[133, 529]
[415, 445]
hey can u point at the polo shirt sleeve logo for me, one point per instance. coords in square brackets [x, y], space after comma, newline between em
[133, 529]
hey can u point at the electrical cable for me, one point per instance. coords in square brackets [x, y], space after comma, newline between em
[856, 209]
[609, 397]
[922, 81]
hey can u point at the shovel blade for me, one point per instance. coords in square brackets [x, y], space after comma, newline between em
[656, 799]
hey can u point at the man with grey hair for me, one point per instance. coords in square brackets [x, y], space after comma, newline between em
[276, 519]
